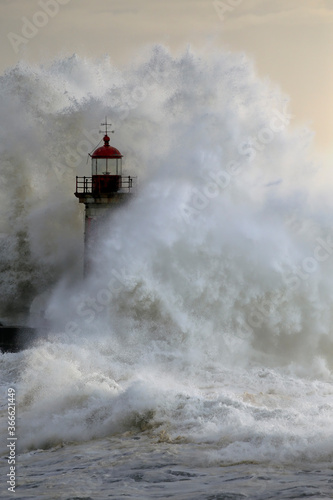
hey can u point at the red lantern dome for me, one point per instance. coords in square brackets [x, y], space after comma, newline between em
[106, 151]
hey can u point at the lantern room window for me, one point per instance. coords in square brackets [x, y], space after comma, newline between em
[106, 166]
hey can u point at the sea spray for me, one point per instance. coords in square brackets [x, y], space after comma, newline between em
[219, 227]
[210, 292]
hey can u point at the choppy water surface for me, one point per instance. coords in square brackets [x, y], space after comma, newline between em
[136, 467]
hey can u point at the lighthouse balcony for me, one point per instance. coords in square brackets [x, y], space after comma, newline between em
[103, 185]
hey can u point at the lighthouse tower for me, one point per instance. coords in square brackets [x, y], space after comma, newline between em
[104, 190]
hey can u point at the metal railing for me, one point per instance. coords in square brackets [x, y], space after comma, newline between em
[83, 185]
[127, 183]
[94, 185]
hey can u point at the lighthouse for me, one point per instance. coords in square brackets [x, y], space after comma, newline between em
[105, 190]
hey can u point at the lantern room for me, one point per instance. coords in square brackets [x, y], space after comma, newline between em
[106, 160]
[106, 168]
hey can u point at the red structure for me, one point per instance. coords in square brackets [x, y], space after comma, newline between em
[106, 173]
[105, 189]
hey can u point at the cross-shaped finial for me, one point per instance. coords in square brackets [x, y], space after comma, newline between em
[106, 124]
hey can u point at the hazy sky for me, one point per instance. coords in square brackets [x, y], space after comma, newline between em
[290, 41]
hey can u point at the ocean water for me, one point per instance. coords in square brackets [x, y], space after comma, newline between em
[194, 361]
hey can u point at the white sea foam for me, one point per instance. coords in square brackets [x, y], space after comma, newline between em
[207, 315]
